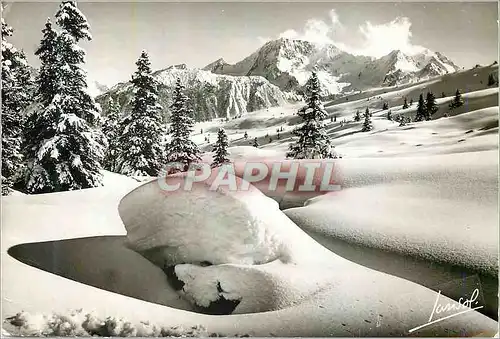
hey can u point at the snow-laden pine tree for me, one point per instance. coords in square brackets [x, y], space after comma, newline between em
[312, 142]
[367, 123]
[142, 131]
[16, 96]
[421, 109]
[111, 129]
[220, 149]
[405, 104]
[180, 148]
[65, 146]
[430, 106]
[457, 100]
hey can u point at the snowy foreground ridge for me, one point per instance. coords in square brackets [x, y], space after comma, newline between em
[253, 259]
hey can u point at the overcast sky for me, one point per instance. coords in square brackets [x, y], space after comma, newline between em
[199, 33]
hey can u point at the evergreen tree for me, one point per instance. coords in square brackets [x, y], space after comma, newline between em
[65, 146]
[430, 106]
[16, 96]
[457, 100]
[389, 115]
[181, 148]
[421, 109]
[385, 106]
[411, 101]
[246, 135]
[312, 140]
[402, 120]
[405, 104]
[141, 139]
[357, 116]
[255, 143]
[112, 131]
[367, 123]
[220, 149]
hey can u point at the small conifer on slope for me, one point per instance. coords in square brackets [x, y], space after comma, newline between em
[405, 104]
[220, 149]
[312, 142]
[367, 123]
[457, 100]
[421, 109]
[181, 149]
[357, 116]
[430, 106]
[255, 143]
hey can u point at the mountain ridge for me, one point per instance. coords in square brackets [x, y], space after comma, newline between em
[287, 63]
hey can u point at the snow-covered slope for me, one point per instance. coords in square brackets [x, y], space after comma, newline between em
[210, 95]
[288, 63]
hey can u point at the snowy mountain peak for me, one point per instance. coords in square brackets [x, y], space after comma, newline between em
[288, 63]
[217, 64]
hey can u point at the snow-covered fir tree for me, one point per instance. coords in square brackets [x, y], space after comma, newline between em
[405, 104]
[312, 142]
[16, 96]
[64, 145]
[220, 149]
[421, 110]
[457, 100]
[430, 106]
[367, 123]
[141, 150]
[357, 116]
[112, 130]
[180, 148]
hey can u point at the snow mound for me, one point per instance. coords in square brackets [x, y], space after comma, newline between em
[234, 233]
[201, 225]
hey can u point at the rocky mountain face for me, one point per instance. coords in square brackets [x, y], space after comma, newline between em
[288, 63]
[210, 95]
[277, 73]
